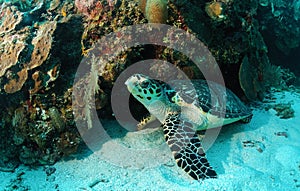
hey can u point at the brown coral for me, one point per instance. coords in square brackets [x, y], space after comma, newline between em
[42, 44]
[15, 85]
[37, 82]
[11, 47]
[12, 17]
[11, 43]
[14, 45]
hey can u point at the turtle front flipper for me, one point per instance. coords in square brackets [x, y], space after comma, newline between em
[186, 147]
[145, 121]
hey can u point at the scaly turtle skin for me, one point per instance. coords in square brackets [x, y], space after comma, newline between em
[184, 108]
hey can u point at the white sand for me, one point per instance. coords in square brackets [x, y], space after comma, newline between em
[245, 156]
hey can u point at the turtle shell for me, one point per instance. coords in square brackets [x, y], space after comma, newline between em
[212, 97]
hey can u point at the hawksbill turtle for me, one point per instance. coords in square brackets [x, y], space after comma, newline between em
[184, 110]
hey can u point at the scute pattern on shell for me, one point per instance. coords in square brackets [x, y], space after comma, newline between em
[211, 97]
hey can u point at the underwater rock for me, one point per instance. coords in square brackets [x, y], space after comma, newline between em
[256, 74]
[28, 155]
[8, 155]
[124, 13]
[284, 110]
[229, 41]
[264, 3]
[8, 166]
[17, 183]
[283, 134]
[296, 5]
[288, 77]
[260, 147]
[49, 170]
[85, 6]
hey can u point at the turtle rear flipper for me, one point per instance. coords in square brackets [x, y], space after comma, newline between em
[186, 147]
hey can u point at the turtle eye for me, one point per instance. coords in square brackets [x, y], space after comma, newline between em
[145, 84]
[171, 96]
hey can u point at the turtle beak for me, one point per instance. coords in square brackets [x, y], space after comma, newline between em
[134, 81]
[128, 81]
[131, 83]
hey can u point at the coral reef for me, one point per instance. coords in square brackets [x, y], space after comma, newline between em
[8, 161]
[39, 41]
[235, 41]
[94, 8]
[85, 7]
[23, 5]
[280, 25]
[43, 133]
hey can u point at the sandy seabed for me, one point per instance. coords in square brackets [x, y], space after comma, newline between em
[261, 155]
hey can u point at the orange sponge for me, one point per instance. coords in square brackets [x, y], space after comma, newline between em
[215, 10]
[142, 5]
[156, 11]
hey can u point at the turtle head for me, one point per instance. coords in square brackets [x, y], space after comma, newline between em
[145, 89]
[157, 96]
